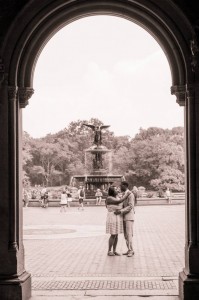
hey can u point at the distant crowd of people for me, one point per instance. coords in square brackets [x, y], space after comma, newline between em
[42, 194]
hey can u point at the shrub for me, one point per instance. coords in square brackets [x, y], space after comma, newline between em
[160, 193]
[149, 195]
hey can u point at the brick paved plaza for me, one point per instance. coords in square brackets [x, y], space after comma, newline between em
[66, 253]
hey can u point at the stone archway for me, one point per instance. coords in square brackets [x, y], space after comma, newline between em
[35, 24]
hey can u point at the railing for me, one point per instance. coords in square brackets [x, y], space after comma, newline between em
[177, 195]
[176, 198]
[56, 202]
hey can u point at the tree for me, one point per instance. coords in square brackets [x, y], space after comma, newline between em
[171, 178]
[26, 157]
[37, 175]
[147, 160]
[152, 151]
[45, 155]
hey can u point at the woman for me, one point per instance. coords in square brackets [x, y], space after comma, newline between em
[64, 201]
[69, 197]
[98, 196]
[114, 223]
[26, 197]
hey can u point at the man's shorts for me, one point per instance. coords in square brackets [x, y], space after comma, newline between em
[81, 200]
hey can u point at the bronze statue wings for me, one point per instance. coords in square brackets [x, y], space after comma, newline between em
[90, 125]
[94, 127]
[104, 126]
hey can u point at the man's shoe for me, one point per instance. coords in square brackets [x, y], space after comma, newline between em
[126, 253]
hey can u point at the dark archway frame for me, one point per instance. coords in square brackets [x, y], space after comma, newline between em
[37, 22]
[29, 37]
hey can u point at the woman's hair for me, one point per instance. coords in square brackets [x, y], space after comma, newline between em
[64, 192]
[111, 191]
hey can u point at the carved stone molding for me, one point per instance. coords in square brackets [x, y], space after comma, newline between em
[3, 78]
[180, 92]
[2, 67]
[12, 93]
[194, 46]
[25, 94]
[3, 75]
[190, 91]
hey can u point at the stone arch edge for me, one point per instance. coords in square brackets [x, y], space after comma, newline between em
[23, 44]
[40, 25]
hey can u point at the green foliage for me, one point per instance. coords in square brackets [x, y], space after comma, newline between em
[160, 193]
[169, 177]
[154, 158]
[152, 152]
[149, 195]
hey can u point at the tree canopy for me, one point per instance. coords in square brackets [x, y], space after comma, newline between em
[154, 158]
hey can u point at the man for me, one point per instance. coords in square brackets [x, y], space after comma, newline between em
[128, 218]
[81, 196]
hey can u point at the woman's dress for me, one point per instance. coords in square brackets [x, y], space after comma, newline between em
[114, 223]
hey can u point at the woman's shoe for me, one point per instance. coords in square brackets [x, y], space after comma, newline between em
[111, 253]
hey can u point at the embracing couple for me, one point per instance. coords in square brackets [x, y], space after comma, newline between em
[120, 218]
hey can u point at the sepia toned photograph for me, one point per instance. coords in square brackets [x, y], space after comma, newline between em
[99, 189]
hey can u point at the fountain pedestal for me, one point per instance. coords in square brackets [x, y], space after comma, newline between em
[100, 176]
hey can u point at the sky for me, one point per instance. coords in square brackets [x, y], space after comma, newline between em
[102, 67]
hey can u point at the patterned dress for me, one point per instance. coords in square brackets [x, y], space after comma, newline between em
[114, 223]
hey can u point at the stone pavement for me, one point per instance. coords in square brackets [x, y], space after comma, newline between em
[66, 253]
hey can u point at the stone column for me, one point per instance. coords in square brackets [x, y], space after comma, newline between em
[189, 277]
[15, 282]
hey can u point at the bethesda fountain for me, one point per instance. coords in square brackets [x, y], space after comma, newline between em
[99, 158]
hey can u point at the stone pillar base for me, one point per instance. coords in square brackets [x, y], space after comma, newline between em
[18, 288]
[188, 287]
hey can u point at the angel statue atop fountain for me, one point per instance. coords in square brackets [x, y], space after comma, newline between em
[97, 132]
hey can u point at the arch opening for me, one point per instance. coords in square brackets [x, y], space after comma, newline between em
[21, 49]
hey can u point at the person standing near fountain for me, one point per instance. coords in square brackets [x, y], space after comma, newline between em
[98, 196]
[64, 201]
[81, 196]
